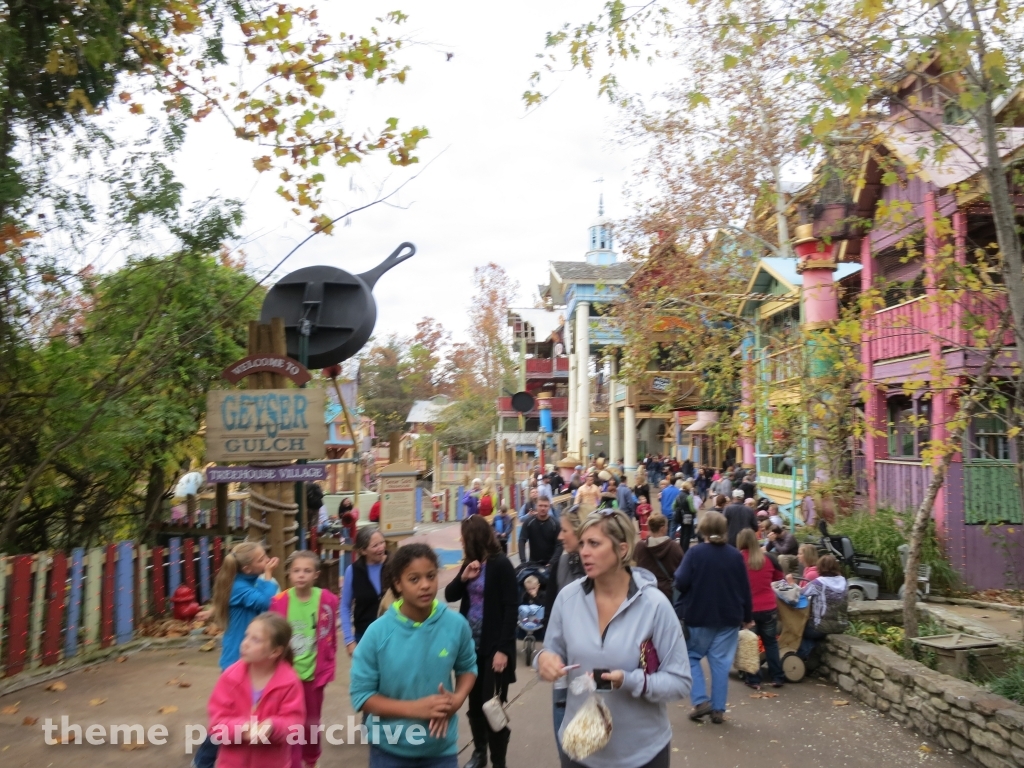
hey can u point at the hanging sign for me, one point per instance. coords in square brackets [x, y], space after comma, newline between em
[265, 425]
[289, 473]
[279, 364]
[397, 489]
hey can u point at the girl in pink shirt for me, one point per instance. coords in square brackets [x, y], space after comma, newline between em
[258, 699]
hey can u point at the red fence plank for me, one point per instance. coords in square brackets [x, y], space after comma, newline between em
[159, 591]
[18, 628]
[55, 599]
[188, 549]
[107, 599]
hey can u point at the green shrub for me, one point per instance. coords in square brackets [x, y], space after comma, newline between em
[1010, 685]
[880, 536]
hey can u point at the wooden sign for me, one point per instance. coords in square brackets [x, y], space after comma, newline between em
[288, 473]
[265, 425]
[278, 364]
[397, 491]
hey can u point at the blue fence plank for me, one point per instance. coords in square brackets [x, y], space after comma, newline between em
[124, 600]
[204, 568]
[419, 504]
[173, 565]
[460, 511]
[74, 603]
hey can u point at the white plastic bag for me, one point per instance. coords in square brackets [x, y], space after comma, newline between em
[590, 730]
[748, 657]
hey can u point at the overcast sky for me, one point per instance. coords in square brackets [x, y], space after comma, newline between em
[506, 186]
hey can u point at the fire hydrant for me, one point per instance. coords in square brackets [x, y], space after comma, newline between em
[184, 603]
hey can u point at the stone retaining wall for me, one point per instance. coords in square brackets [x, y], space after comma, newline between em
[985, 728]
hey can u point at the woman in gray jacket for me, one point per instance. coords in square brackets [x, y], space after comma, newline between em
[601, 622]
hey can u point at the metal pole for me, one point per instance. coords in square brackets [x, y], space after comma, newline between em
[305, 327]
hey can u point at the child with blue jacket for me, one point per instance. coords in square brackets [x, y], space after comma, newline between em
[402, 670]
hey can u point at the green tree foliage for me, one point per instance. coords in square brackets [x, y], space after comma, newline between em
[130, 371]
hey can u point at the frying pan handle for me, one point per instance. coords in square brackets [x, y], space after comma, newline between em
[400, 254]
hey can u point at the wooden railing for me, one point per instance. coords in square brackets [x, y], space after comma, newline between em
[909, 328]
[559, 407]
[62, 607]
[786, 365]
[540, 367]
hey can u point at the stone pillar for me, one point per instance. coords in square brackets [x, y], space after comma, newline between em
[614, 453]
[629, 441]
[582, 347]
[874, 398]
[749, 409]
[570, 432]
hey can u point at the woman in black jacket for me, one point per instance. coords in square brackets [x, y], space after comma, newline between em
[486, 585]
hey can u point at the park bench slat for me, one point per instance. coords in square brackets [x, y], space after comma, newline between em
[124, 601]
[21, 593]
[74, 602]
[55, 602]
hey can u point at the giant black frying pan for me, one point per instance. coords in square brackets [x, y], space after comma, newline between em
[339, 307]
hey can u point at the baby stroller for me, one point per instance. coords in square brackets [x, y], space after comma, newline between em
[531, 609]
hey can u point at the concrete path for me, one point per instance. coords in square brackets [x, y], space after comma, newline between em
[807, 725]
[802, 728]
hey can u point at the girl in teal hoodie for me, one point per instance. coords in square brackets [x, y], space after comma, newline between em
[402, 669]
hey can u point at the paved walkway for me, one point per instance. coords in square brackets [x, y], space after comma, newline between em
[805, 726]
[802, 727]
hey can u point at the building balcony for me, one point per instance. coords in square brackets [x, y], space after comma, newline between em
[909, 328]
[559, 408]
[547, 368]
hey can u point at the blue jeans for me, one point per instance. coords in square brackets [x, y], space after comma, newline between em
[381, 759]
[719, 645]
[766, 627]
[558, 699]
[206, 755]
[810, 640]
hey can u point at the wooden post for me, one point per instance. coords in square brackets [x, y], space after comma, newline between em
[222, 508]
[394, 447]
[437, 467]
[471, 467]
[278, 525]
[491, 456]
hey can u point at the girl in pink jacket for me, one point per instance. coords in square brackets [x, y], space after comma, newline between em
[258, 700]
[313, 615]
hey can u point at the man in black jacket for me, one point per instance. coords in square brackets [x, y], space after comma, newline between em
[739, 516]
[539, 535]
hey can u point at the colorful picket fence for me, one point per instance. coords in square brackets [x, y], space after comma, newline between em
[57, 607]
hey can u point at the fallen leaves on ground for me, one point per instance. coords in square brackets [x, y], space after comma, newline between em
[56, 686]
[764, 695]
[12, 709]
[132, 747]
[924, 748]
[30, 721]
[182, 663]
[167, 710]
[96, 702]
[840, 702]
[184, 684]
[208, 647]
[122, 659]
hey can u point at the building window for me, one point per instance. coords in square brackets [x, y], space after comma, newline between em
[988, 438]
[909, 426]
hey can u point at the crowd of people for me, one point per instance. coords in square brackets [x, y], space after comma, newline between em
[631, 599]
